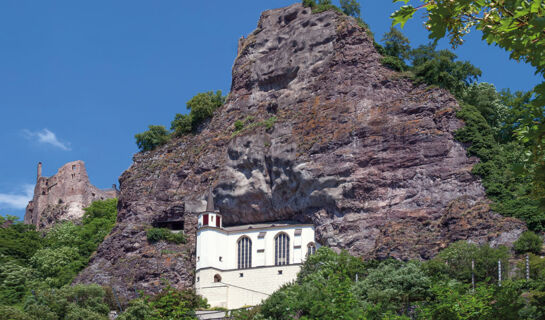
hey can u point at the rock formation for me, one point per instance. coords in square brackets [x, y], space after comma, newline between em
[331, 137]
[63, 196]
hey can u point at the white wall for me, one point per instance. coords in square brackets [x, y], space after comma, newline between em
[259, 281]
[214, 243]
[235, 291]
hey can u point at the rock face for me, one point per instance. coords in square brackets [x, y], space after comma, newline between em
[63, 196]
[331, 138]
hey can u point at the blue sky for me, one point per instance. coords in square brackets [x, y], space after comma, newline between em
[79, 78]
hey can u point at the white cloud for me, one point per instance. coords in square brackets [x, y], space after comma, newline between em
[46, 136]
[17, 200]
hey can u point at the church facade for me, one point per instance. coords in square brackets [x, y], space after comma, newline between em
[242, 265]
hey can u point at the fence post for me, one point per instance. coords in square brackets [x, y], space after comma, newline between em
[527, 267]
[499, 273]
[473, 275]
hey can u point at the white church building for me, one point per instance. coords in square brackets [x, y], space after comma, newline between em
[242, 265]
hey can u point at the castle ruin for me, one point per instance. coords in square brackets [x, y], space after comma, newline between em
[63, 196]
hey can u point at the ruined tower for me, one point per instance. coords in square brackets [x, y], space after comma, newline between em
[63, 195]
[39, 171]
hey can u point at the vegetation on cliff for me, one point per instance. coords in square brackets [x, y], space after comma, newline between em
[201, 107]
[339, 286]
[491, 120]
[518, 27]
[30, 260]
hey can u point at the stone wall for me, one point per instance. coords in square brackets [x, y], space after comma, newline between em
[63, 196]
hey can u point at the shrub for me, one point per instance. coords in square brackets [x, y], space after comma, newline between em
[181, 124]
[455, 262]
[203, 105]
[12, 313]
[393, 63]
[154, 137]
[69, 302]
[239, 125]
[169, 304]
[528, 242]
[158, 234]
[350, 8]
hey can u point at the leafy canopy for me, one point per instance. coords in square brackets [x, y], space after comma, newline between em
[155, 136]
[517, 26]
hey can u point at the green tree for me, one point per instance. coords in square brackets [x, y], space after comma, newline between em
[518, 26]
[528, 242]
[68, 303]
[203, 105]
[487, 100]
[57, 266]
[152, 138]
[14, 280]
[396, 44]
[453, 300]
[455, 262]
[393, 287]
[168, 304]
[351, 8]
[441, 68]
[18, 240]
[181, 124]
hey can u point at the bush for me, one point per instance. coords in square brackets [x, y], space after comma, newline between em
[158, 234]
[12, 313]
[239, 125]
[455, 262]
[528, 242]
[203, 105]
[394, 63]
[69, 302]
[154, 137]
[169, 304]
[181, 124]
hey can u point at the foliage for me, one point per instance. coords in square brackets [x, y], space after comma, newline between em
[69, 302]
[182, 124]
[518, 26]
[394, 63]
[442, 69]
[247, 314]
[510, 192]
[484, 97]
[528, 242]
[393, 287]
[154, 137]
[158, 234]
[396, 44]
[18, 241]
[249, 124]
[29, 260]
[351, 8]
[455, 262]
[168, 304]
[453, 300]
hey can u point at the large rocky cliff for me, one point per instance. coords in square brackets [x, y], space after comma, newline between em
[63, 196]
[331, 138]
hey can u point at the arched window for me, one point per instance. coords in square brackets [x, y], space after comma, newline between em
[311, 248]
[217, 278]
[244, 253]
[281, 249]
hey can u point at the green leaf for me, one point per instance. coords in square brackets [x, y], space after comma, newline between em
[536, 5]
[402, 15]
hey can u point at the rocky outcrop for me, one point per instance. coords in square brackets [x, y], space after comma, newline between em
[331, 137]
[63, 196]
